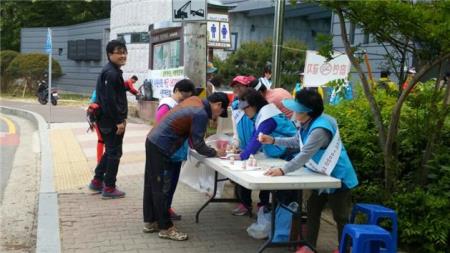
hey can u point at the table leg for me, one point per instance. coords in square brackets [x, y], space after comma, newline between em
[268, 243]
[213, 195]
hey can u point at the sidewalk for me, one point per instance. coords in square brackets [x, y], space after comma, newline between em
[90, 224]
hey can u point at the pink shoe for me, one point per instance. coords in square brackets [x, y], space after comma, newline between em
[240, 210]
[304, 249]
[112, 193]
[96, 185]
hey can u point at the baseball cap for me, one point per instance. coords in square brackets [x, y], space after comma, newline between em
[220, 97]
[242, 80]
[295, 106]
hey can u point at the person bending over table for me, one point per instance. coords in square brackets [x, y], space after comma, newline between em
[267, 119]
[321, 150]
[187, 121]
[182, 90]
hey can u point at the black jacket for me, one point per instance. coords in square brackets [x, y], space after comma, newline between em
[111, 96]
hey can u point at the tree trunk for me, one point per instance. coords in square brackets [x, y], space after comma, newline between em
[395, 115]
[435, 134]
[367, 91]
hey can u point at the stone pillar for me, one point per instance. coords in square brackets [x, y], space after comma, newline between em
[194, 53]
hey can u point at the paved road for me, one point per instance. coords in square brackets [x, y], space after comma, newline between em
[59, 113]
[9, 140]
[20, 184]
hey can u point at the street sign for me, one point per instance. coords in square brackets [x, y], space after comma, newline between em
[189, 10]
[219, 35]
[48, 42]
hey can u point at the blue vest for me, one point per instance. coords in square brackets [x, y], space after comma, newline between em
[285, 128]
[244, 127]
[344, 169]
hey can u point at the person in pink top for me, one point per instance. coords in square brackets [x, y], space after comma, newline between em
[274, 96]
[182, 90]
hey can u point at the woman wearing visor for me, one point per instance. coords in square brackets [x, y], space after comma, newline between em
[267, 119]
[318, 139]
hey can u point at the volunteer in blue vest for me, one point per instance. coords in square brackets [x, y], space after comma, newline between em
[319, 141]
[242, 125]
[182, 90]
[267, 119]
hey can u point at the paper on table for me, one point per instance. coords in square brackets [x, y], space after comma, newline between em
[237, 166]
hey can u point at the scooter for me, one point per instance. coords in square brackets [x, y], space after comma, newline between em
[42, 93]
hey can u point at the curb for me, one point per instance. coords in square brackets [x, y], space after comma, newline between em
[48, 237]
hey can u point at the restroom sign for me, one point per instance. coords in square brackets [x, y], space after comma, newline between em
[219, 35]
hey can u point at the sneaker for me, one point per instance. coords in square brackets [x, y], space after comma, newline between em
[96, 185]
[112, 193]
[173, 234]
[304, 249]
[150, 227]
[240, 210]
[173, 215]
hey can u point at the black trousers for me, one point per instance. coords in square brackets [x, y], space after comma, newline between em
[108, 166]
[245, 196]
[157, 186]
[340, 203]
[176, 168]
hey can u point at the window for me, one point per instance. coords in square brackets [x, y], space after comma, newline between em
[352, 33]
[133, 38]
[366, 38]
[166, 55]
[84, 50]
[234, 37]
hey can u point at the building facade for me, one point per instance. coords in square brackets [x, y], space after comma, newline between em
[79, 49]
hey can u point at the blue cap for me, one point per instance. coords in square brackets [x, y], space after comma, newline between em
[295, 106]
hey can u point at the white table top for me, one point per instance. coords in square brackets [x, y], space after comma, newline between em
[253, 178]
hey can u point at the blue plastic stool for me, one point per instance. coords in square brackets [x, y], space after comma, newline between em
[365, 237]
[374, 213]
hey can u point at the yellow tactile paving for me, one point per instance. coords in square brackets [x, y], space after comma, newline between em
[71, 169]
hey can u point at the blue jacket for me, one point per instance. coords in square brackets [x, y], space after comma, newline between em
[285, 128]
[244, 127]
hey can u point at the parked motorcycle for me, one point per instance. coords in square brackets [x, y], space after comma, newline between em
[42, 93]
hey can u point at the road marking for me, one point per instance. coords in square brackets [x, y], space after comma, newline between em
[11, 126]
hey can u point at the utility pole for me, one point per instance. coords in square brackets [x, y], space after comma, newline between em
[194, 53]
[277, 42]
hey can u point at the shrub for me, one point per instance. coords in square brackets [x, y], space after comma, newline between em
[252, 56]
[424, 220]
[423, 216]
[6, 56]
[32, 67]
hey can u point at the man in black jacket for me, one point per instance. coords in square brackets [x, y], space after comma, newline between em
[111, 96]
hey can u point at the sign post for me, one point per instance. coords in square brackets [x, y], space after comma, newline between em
[48, 50]
[318, 71]
[193, 14]
[189, 10]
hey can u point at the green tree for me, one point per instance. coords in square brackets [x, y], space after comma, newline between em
[418, 28]
[40, 13]
[251, 57]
